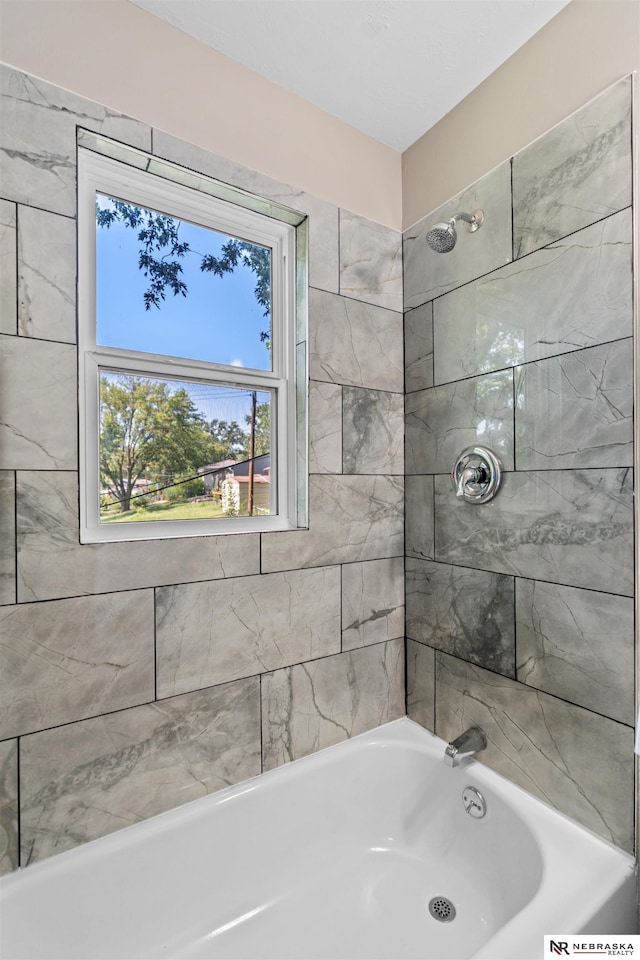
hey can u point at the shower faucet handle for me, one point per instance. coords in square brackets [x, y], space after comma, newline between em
[476, 475]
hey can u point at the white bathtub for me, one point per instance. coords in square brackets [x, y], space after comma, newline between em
[334, 856]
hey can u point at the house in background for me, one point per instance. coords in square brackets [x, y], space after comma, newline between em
[214, 474]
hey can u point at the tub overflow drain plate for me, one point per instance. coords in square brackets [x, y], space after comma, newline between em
[474, 803]
[442, 909]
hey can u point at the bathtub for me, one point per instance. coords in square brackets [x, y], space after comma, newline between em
[337, 855]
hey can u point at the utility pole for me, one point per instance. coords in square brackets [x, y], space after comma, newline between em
[252, 447]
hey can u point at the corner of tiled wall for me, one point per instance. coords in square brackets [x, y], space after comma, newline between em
[520, 611]
[292, 641]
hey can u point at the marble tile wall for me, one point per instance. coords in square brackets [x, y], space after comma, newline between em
[137, 676]
[519, 612]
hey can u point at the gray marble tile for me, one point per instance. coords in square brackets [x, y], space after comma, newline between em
[38, 155]
[577, 173]
[575, 760]
[418, 348]
[325, 427]
[442, 421]
[576, 410]
[372, 602]
[8, 268]
[578, 645]
[39, 405]
[7, 537]
[88, 779]
[350, 518]
[421, 684]
[564, 526]
[323, 216]
[208, 633]
[468, 613]
[373, 431]
[46, 275]
[354, 343]
[419, 530]
[428, 274]
[575, 293]
[52, 562]
[9, 852]
[370, 261]
[314, 705]
[70, 659]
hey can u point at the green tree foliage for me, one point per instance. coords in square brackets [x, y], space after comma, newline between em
[228, 440]
[161, 251]
[146, 429]
[262, 439]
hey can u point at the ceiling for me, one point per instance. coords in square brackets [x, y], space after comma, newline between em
[390, 68]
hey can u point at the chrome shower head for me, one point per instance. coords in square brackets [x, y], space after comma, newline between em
[442, 236]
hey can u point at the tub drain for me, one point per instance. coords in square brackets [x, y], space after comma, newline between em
[442, 909]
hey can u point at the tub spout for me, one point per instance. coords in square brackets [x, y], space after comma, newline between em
[470, 742]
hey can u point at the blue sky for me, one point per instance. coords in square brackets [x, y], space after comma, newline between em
[219, 320]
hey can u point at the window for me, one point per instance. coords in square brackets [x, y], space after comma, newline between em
[191, 381]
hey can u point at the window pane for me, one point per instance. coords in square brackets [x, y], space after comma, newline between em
[174, 450]
[166, 286]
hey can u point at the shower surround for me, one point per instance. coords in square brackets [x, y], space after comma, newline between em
[520, 612]
[137, 676]
[125, 692]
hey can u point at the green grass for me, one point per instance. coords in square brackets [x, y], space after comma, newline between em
[165, 511]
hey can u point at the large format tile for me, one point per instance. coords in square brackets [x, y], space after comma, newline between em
[576, 410]
[465, 612]
[578, 645]
[325, 427]
[7, 537]
[70, 659]
[370, 261]
[8, 268]
[9, 852]
[355, 343]
[314, 705]
[208, 633]
[38, 404]
[577, 761]
[53, 563]
[418, 348]
[38, 154]
[566, 526]
[428, 274]
[421, 684]
[442, 421]
[88, 779]
[419, 529]
[577, 173]
[575, 293]
[350, 518]
[323, 216]
[372, 602]
[372, 431]
[46, 275]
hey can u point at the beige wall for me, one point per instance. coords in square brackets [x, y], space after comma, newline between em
[119, 55]
[587, 46]
[149, 70]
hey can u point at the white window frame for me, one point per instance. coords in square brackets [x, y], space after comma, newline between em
[102, 174]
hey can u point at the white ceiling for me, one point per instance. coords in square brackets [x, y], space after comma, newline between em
[390, 68]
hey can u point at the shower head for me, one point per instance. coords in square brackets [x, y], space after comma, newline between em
[442, 236]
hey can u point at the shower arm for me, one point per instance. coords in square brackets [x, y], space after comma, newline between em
[472, 221]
